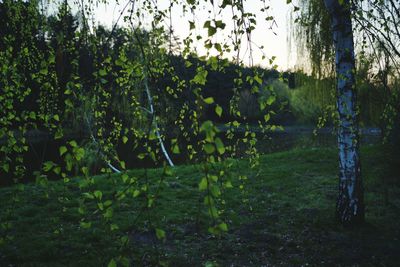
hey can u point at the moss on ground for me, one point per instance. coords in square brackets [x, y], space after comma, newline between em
[284, 216]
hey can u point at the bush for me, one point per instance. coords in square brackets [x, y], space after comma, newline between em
[303, 108]
[249, 104]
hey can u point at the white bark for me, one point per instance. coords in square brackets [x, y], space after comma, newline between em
[350, 206]
[95, 141]
[150, 100]
[155, 124]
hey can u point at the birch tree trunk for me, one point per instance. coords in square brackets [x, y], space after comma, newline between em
[350, 204]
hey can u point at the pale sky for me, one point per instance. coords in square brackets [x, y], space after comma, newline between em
[274, 44]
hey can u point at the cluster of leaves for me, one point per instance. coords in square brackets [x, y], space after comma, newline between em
[120, 88]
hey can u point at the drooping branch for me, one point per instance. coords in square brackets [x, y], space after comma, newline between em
[104, 157]
[151, 110]
[155, 124]
[116, 170]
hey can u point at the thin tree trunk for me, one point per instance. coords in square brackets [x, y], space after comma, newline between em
[350, 204]
[104, 157]
[155, 124]
[150, 100]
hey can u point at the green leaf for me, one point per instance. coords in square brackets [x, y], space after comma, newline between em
[112, 263]
[223, 227]
[152, 135]
[271, 99]
[191, 25]
[203, 184]
[48, 165]
[68, 103]
[136, 193]
[218, 110]
[228, 184]
[56, 117]
[209, 148]
[109, 213]
[86, 225]
[211, 31]
[226, 3]
[59, 134]
[113, 227]
[258, 79]
[213, 212]
[267, 117]
[32, 115]
[102, 72]
[209, 100]
[220, 24]
[206, 126]
[42, 180]
[79, 153]
[168, 171]
[124, 139]
[220, 146]
[6, 167]
[57, 170]
[213, 178]
[215, 191]
[188, 64]
[98, 194]
[81, 210]
[175, 147]
[44, 71]
[122, 163]
[213, 231]
[62, 150]
[160, 233]
[88, 195]
[124, 177]
[201, 76]
[218, 47]
[73, 143]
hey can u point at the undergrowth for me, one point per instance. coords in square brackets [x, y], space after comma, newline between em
[283, 215]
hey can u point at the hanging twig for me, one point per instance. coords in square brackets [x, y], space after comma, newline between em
[97, 143]
[150, 100]
[155, 124]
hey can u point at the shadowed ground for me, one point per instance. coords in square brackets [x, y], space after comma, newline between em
[283, 216]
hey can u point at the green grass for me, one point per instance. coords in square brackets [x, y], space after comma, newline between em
[284, 216]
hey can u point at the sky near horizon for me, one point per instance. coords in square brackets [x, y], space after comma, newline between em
[275, 40]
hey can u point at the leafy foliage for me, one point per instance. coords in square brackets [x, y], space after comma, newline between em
[92, 92]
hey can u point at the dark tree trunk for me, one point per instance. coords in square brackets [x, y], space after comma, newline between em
[350, 203]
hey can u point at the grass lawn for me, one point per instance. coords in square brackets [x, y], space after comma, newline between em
[283, 216]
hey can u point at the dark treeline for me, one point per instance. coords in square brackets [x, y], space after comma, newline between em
[63, 51]
[69, 81]
[57, 51]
